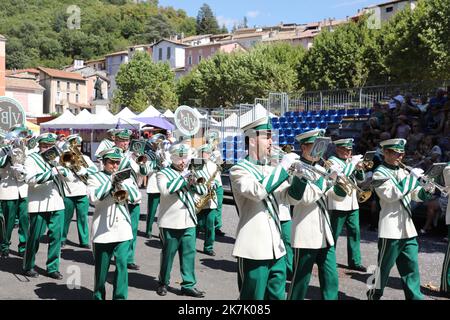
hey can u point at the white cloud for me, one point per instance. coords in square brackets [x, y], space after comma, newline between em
[253, 14]
[228, 22]
[348, 3]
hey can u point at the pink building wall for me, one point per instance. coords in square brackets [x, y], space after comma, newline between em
[2, 66]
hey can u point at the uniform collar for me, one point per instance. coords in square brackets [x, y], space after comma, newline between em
[107, 173]
[253, 161]
[390, 166]
[306, 161]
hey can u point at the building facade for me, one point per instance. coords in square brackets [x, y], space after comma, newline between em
[171, 52]
[2, 65]
[113, 61]
[29, 93]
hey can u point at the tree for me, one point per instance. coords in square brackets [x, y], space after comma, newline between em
[206, 21]
[142, 82]
[224, 29]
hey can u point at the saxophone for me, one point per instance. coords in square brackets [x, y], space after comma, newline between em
[18, 155]
[73, 159]
[201, 203]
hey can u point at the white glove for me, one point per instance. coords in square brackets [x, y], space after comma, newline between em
[417, 173]
[185, 173]
[288, 160]
[357, 159]
[429, 187]
[299, 169]
[82, 172]
[19, 168]
[56, 169]
[165, 164]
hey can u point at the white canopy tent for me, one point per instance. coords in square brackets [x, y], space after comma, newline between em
[126, 114]
[64, 121]
[150, 112]
[169, 114]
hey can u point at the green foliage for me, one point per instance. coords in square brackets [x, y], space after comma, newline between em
[38, 34]
[142, 82]
[230, 79]
[206, 21]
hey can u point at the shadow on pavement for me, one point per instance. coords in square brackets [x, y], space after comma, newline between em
[142, 281]
[11, 264]
[153, 243]
[51, 290]
[394, 283]
[225, 265]
[81, 256]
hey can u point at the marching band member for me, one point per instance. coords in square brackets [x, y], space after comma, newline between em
[312, 237]
[14, 193]
[397, 241]
[346, 211]
[177, 220]
[208, 214]
[45, 206]
[259, 245]
[445, 279]
[122, 140]
[158, 161]
[76, 198]
[105, 144]
[216, 157]
[111, 226]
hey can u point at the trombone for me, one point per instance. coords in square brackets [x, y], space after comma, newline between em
[423, 180]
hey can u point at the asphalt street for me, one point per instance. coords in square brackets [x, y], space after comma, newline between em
[215, 275]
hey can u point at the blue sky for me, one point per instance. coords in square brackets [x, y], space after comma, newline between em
[272, 12]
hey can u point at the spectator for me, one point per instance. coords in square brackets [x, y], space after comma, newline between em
[423, 105]
[435, 119]
[410, 107]
[415, 136]
[440, 100]
[387, 126]
[401, 129]
[377, 112]
[375, 128]
[444, 141]
[367, 139]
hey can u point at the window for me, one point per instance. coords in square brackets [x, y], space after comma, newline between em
[190, 60]
[78, 87]
[58, 84]
[68, 96]
[168, 53]
[68, 86]
[58, 97]
[389, 9]
[160, 53]
[77, 98]
[199, 59]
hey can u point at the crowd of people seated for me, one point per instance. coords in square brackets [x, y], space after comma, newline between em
[425, 123]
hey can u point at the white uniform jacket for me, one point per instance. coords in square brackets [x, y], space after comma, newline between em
[11, 188]
[257, 190]
[311, 227]
[105, 144]
[395, 198]
[111, 221]
[45, 191]
[176, 207]
[128, 162]
[348, 203]
[78, 187]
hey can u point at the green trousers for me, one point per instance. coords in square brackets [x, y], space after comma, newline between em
[286, 235]
[11, 209]
[80, 204]
[304, 260]
[262, 279]
[445, 279]
[218, 220]
[39, 222]
[183, 241]
[135, 212]
[103, 252]
[152, 206]
[208, 217]
[404, 253]
[351, 221]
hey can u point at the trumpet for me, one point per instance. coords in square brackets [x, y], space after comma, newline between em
[119, 194]
[73, 159]
[50, 156]
[423, 180]
[348, 185]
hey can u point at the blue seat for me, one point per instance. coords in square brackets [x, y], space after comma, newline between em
[287, 132]
[342, 112]
[332, 112]
[276, 125]
[275, 120]
[363, 112]
[323, 112]
[292, 119]
[323, 125]
[308, 119]
[296, 114]
[313, 125]
[312, 113]
[282, 140]
[304, 125]
[297, 132]
[291, 140]
[238, 138]
[282, 119]
[336, 119]
[304, 113]
[229, 139]
[351, 113]
[317, 118]
[285, 125]
[295, 125]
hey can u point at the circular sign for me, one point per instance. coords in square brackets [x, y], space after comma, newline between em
[11, 114]
[187, 120]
